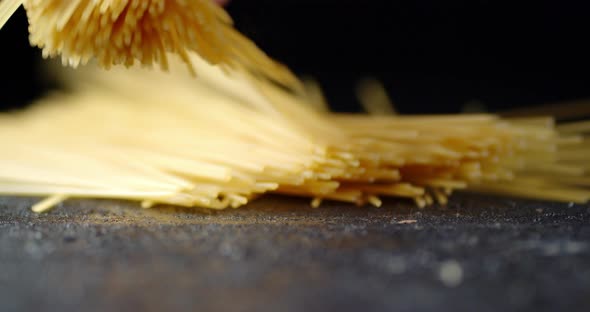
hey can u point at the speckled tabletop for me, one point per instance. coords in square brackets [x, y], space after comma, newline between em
[478, 254]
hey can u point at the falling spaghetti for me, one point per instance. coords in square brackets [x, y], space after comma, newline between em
[223, 140]
[146, 32]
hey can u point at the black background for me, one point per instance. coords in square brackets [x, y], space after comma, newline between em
[433, 56]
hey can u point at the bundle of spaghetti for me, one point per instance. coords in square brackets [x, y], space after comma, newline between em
[427, 157]
[223, 140]
[125, 32]
[185, 143]
[482, 153]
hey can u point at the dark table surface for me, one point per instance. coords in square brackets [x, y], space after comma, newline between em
[477, 254]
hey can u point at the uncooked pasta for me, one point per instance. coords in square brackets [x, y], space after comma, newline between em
[146, 32]
[232, 134]
[221, 140]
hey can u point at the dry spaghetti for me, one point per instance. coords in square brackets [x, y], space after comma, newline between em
[125, 32]
[223, 140]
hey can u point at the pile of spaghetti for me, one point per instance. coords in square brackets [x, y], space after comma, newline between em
[224, 139]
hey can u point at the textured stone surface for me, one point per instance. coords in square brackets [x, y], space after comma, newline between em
[479, 253]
